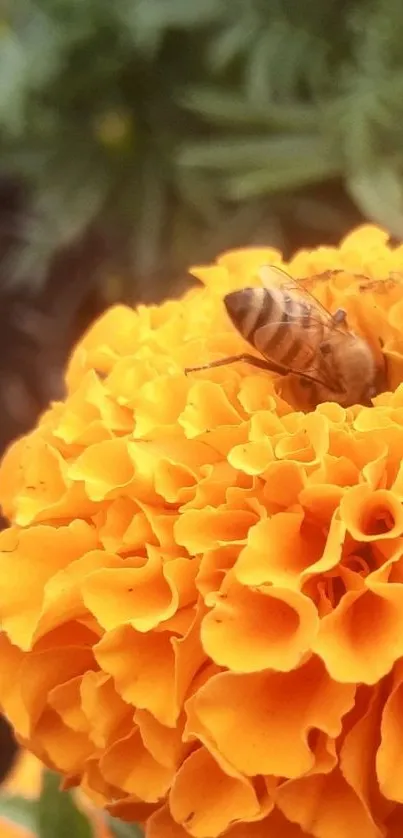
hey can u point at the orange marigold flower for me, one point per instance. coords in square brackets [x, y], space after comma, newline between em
[201, 590]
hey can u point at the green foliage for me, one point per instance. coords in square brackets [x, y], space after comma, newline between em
[178, 128]
[20, 811]
[55, 814]
[119, 829]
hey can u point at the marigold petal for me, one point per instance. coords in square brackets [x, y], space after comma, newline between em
[105, 469]
[159, 404]
[248, 260]
[43, 670]
[112, 333]
[49, 549]
[145, 596]
[190, 656]
[357, 754]
[308, 443]
[389, 765]
[394, 823]
[11, 476]
[206, 801]
[102, 707]
[278, 550]
[284, 483]
[162, 825]
[250, 630]
[256, 393]
[332, 553]
[208, 405]
[200, 530]
[132, 810]
[321, 501]
[252, 457]
[327, 807]
[65, 699]
[169, 468]
[63, 748]
[128, 765]
[90, 415]
[371, 515]
[214, 566]
[162, 527]
[46, 492]
[11, 699]
[213, 485]
[274, 826]
[364, 237]
[275, 713]
[394, 361]
[352, 653]
[164, 743]
[114, 521]
[63, 600]
[152, 671]
[142, 666]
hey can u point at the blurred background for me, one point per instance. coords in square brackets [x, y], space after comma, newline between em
[140, 136]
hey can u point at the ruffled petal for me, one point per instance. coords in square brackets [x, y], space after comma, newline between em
[389, 765]
[352, 653]
[206, 801]
[325, 806]
[275, 712]
[249, 630]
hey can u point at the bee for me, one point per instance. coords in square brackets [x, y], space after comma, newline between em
[296, 335]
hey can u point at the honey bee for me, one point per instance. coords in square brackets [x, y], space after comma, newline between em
[296, 335]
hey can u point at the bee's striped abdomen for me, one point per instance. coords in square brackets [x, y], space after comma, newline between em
[293, 338]
[254, 310]
[280, 325]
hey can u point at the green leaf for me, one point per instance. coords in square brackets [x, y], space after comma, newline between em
[58, 816]
[149, 20]
[226, 46]
[253, 152]
[222, 107]
[20, 811]
[295, 174]
[379, 195]
[259, 76]
[176, 13]
[13, 74]
[120, 829]
[219, 106]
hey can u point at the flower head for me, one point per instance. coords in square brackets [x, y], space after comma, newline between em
[202, 585]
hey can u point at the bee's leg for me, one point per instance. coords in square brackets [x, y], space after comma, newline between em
[339, 317]
[246, 358]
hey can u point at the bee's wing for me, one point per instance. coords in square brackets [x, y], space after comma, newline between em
[273, 275]
[323, 375]
[311, 366]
